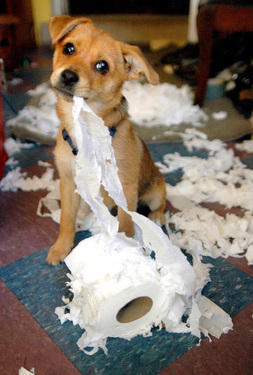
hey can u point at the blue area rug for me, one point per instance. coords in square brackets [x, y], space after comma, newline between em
[28, 157]
[40, 287]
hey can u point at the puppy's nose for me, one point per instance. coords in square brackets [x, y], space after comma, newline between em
[69, 78]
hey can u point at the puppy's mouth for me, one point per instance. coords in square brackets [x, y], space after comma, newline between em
[63, 91]
[67, 93]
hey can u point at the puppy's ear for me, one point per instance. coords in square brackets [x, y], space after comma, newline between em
[136, 65]
[59, 26]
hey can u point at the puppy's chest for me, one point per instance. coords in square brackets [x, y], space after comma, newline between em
[74, 147]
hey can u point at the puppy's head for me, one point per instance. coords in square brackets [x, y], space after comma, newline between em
[91, 64]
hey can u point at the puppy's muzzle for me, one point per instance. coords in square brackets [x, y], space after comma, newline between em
[68, 78]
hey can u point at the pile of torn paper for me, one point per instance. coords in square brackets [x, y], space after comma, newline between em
[39, 119]
[220, 178]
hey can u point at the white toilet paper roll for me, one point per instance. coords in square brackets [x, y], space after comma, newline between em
[138, 308]
[148, 299]
[120, 292]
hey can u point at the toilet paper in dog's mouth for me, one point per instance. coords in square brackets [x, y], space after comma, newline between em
[119, 290]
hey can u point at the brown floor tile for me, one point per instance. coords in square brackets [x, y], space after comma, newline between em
[242, 264]
[22, 232]
[24, 343]
[231, 354]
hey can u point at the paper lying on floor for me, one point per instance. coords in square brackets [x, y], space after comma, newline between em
[23, 371]
[48, 206]
[111, 272]
[221, 178]
[15, 179]
[245, 146]
[164, 104]
[221, 115]
[40, 118]
[148, 105]
[213, 321]
[13, 146]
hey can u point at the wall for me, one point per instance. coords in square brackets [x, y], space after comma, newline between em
[41, 14]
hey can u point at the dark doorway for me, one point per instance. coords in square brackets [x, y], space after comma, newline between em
[131, 6]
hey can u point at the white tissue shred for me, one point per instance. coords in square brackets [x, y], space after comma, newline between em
[23, 371]
[14, 145]
[221, 115]
[245, 146]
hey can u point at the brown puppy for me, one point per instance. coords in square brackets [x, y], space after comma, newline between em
[89, 63]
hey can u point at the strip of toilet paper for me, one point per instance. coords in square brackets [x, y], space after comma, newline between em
[111, 274]
[96, 164]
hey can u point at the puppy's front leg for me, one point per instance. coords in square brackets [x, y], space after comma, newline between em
[125, 221]
[69, 206]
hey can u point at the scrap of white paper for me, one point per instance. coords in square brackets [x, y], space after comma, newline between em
[14, 145]
[23, 371]
[213, 321]
[246, 145]
[249, 255]
[221, 115]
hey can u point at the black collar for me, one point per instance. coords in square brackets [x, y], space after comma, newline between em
[112, 130]
[74, 149]
[67, 138]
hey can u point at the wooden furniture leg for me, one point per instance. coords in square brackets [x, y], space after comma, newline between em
[205, 26]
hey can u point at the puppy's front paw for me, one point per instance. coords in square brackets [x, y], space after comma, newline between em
[157, 217]
[56, 255]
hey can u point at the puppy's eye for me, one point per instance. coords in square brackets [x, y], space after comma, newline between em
[68, 49]
[102, 67]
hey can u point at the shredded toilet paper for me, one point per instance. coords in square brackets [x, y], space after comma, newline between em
[221, 178]
[23, 371]
[164, 104]
[109, 271]
[15, 179]
[41, 118]
[221, 115]
[14, 145]
[245, 146]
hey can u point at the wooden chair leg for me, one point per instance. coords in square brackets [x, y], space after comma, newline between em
[205, 26]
